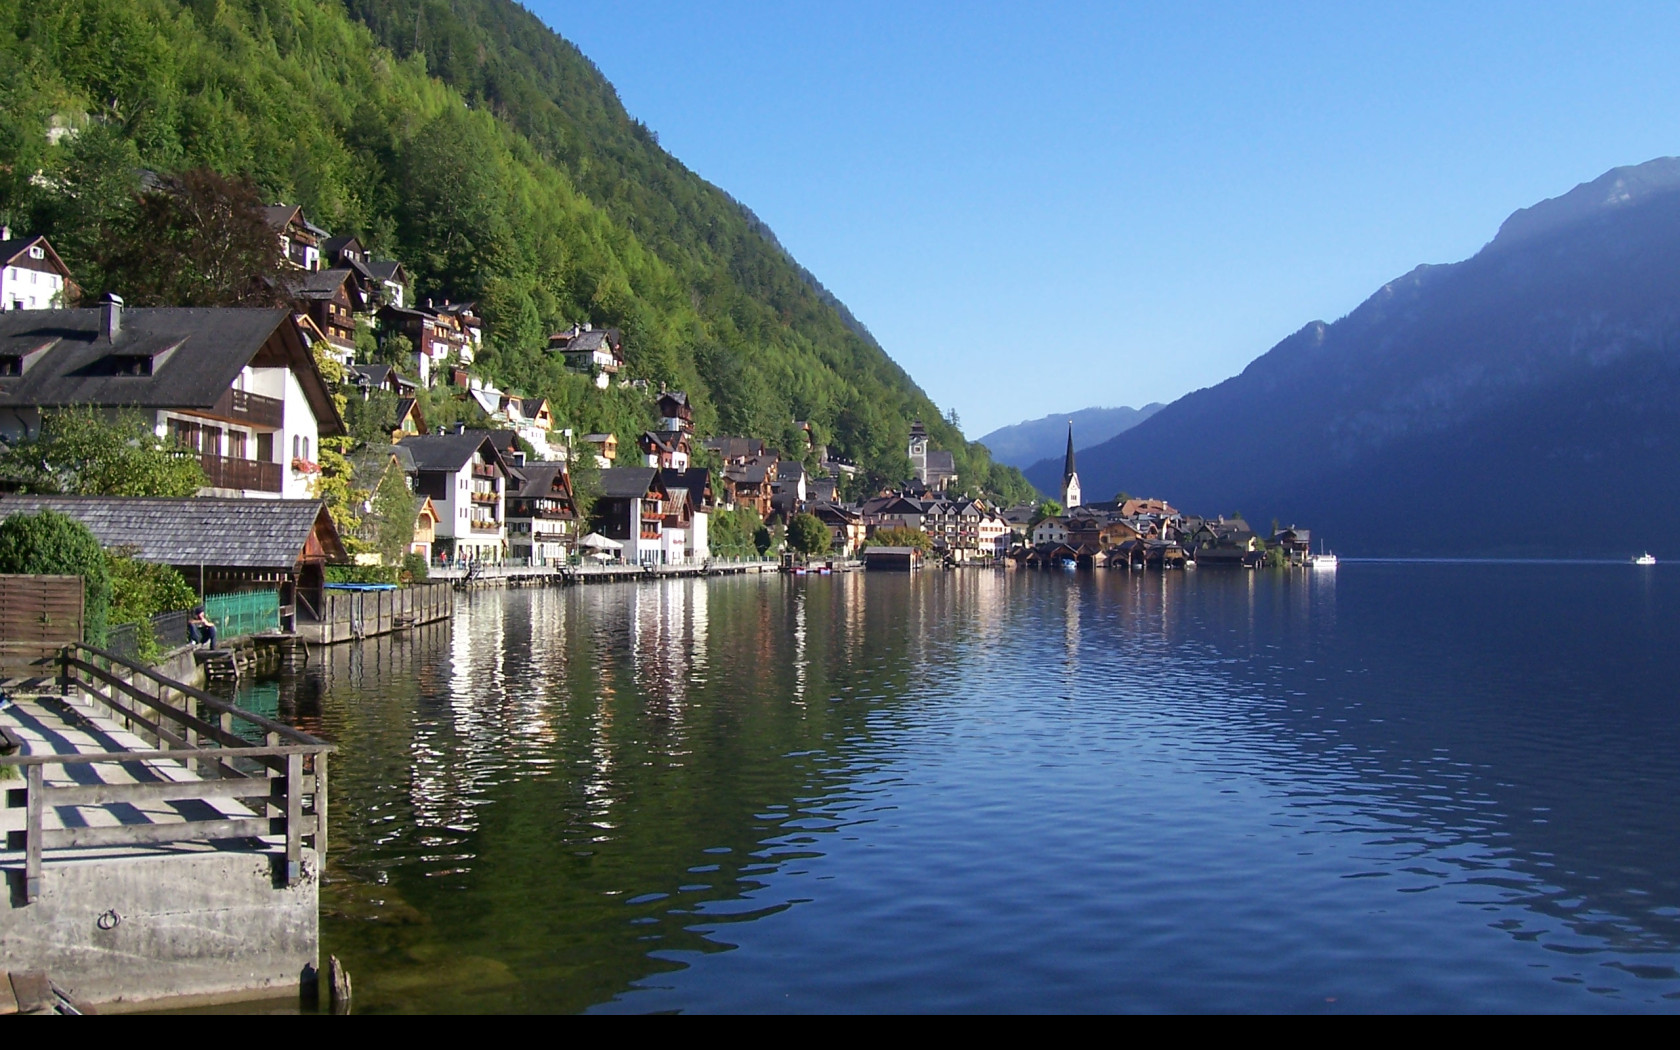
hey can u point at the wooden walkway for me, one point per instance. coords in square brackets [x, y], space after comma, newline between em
[53, 725]
[528, 575]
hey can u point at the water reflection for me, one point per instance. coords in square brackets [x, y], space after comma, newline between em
[1398, 787]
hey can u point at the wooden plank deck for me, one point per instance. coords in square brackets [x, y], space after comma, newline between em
[49, 724]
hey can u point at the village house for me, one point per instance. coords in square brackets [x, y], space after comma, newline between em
[300, 239]
[666, 449]
[846, 530]
[1050, 531]
[332, 299]
[734, 451]
[426, 520]
[605, 447]
[597, 352]
[752, 483]
[631, 510]
[436, 338]
[465, 476]
[529, 418]
[541, 514]
[675, 413]
[32, 276]
[393, 281]
[893, 512]
[684, 532]
[237, 386]
[789, 490]
[218, 545]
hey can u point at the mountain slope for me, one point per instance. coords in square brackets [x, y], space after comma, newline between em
[467, 139]
[1523, 401]
[1023, 444]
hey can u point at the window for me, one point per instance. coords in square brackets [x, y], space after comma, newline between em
[37, 252]
[297, 446]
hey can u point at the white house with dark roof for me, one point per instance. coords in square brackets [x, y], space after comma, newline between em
[237, 386]
[631, 509]
[466, 479]
[593, 351]
[32, 276]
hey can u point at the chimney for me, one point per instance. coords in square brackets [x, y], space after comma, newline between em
[460, 428]
[5, 233]
[110, 319]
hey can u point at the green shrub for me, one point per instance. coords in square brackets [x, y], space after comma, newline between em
[53, 544]
[140, 591]
[808, 534]
[361, 574]
[414, 568]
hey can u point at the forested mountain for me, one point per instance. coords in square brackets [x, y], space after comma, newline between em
[1524, 401]
[1023, 444]
[468, 140]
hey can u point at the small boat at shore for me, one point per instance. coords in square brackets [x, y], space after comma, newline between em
[1323, 559]
[1646, 559]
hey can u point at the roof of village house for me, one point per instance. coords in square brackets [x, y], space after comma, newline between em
[594, 339]
[319, 284]
[628, 482]
[196, 355]
[449, 452]
[12, 248]
[280, 216]
[220, 533]
[753, 472]
[941, 462]
[540, 481]
[693, 479]
[735, 447]
[387, 269]
[680, 397]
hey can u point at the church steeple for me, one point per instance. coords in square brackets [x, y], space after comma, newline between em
[1070, 476]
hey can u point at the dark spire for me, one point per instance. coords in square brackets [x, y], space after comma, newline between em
[1067, 467]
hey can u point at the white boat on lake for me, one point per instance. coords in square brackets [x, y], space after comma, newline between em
[1646, 559]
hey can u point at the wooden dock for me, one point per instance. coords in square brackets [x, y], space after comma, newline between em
[475, 576]
[147, 819]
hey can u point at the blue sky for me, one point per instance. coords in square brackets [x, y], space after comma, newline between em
[1036, 208]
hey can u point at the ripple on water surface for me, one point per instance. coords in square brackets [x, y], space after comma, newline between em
[1403, 787]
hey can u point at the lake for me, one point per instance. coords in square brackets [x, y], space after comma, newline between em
[1399, 786]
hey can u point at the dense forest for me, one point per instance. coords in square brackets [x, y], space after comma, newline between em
[471, 142]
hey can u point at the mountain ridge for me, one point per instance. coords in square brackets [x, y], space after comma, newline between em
[1025, 443]
[1527, 388]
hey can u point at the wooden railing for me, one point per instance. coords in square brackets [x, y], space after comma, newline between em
[241, 406]
[282, 779]
[226, 472]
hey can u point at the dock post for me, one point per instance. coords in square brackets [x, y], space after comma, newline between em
[294, 818]
[32, 835]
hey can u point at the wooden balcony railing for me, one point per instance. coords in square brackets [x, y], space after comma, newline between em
[239, 406]
[224, 472]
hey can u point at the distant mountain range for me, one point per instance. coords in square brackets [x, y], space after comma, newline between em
[1023, 444]
[1525, 401]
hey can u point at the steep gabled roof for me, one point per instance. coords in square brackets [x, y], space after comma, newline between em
[629, 482]
[223, 533]
[196, 353]
[450, 452]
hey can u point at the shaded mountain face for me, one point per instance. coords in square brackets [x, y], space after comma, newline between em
[1523, 401]
[1023, 444]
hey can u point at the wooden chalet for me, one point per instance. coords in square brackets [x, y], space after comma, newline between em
[219, 545]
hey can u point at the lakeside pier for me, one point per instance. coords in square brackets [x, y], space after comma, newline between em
[146, 819]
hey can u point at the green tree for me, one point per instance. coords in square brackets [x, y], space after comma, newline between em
[762, 540]
[52, 544]
[808, 534]
[585, 475]
[900, 536]
[1048, 509]
[81, 452]
[140, 591]
[394, 509]
[199, 239]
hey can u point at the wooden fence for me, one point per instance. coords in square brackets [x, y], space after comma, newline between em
[349, 615]
[282, 780]
[39, 615]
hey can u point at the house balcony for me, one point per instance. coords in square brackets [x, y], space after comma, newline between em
[485, 497]
[239, 406]
[224, 472]
[481, 526]
[483, 470]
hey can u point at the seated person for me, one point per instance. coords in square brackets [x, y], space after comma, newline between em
[200, 629]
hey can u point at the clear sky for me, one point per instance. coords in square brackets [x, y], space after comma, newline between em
[1040, 207]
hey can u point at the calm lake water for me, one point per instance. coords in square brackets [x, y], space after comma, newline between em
[1396, 787]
